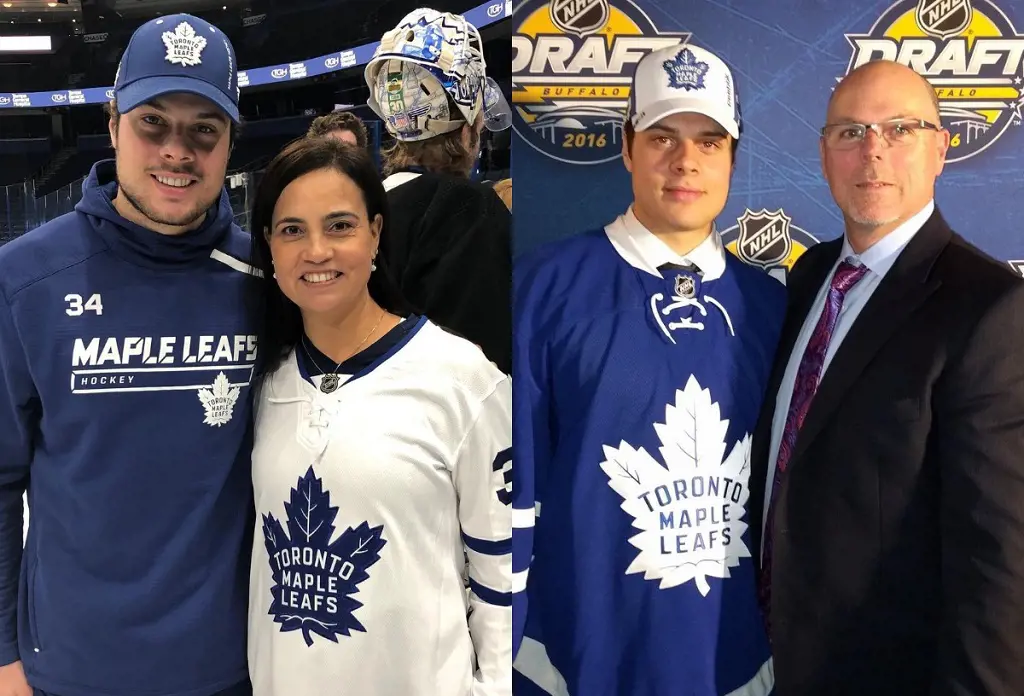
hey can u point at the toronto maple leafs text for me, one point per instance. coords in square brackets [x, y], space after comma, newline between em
[311, 591]
[690, 525]
[315, 573]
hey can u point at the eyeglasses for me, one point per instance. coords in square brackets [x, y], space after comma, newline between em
[898, 132]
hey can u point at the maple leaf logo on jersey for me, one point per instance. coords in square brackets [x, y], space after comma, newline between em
[219, 401]
[314, 577]
[691, 509]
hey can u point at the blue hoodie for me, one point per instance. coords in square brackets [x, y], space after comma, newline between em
[125, 362]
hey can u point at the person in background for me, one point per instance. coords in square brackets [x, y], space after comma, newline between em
[382, 459]
[886, 466]
[450, 240]
[343, 125]
[125, 410]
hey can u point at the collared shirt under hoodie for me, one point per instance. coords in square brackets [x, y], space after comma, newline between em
[125, 361]
[638, 378]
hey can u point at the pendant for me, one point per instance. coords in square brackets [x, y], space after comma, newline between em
[329, 383]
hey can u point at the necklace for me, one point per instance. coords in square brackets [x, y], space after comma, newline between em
[331, 380]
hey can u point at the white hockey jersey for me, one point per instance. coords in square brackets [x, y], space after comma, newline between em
[369, 500]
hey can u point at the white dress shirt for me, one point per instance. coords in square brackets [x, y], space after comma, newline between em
[642, 249]
[879, 258]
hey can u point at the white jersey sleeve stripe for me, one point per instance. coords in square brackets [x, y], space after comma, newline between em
[482, 474]
[523, 518]
[488, 548]
[519, 580]
[486, 594]
[490, 571]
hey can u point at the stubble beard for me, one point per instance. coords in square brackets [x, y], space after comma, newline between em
[867, 220]
[183, 220]
[872, 222]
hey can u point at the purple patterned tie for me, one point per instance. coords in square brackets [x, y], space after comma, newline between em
[807, 376]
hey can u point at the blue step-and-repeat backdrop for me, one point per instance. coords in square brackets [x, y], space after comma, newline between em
[572, 60]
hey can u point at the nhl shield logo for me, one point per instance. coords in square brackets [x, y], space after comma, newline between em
[943, 18]
[579, 17]
[764, 239]
[685, 287]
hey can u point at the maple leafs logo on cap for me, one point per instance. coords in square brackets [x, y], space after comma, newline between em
[219, 401]
[313, 576]
[685, 71]
[184, 45]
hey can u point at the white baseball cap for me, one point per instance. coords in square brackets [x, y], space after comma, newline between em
[684, 79]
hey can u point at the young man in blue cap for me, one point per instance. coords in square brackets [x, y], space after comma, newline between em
[125, 361]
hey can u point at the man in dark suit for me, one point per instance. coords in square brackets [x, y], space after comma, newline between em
[888, 462]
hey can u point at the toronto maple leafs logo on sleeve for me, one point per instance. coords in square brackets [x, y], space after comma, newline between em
[690, 510]
[685, 71]
[314, 577]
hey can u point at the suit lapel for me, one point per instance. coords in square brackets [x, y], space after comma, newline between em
[801, 298]
[804, 297]
[905, 288]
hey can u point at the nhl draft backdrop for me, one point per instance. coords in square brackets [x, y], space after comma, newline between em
[572, 61]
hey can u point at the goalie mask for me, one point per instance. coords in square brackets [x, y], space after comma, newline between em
[429, 57]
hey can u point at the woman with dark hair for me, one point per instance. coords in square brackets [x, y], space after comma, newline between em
[381, 462]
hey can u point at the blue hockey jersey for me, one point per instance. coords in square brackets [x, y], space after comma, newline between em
[636, 394]
[125, 361]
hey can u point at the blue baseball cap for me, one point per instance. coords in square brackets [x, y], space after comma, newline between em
[178, 53]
